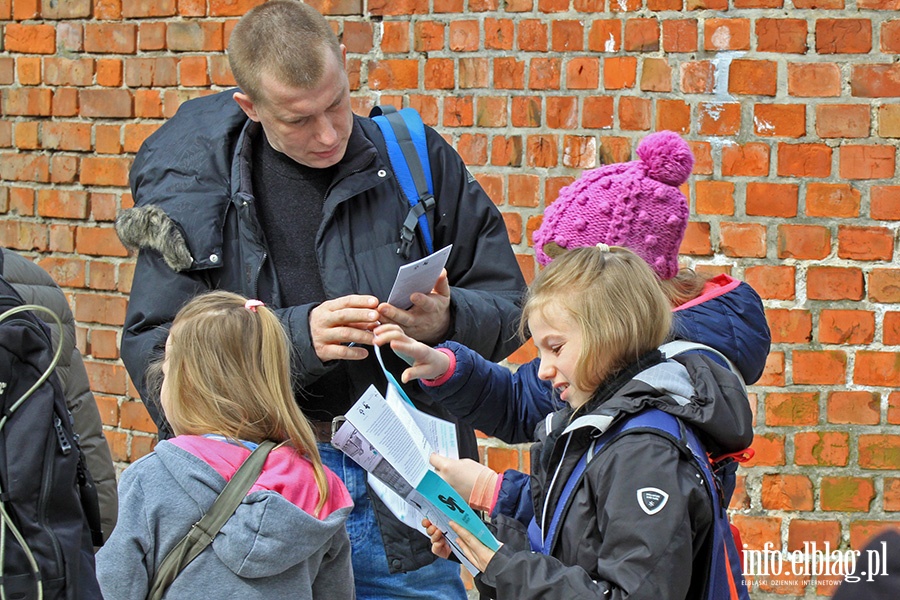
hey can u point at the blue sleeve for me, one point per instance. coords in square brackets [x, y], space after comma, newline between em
[493, 399]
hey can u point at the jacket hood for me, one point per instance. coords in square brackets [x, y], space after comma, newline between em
[691, 387]
[729, 317]
[268, 533]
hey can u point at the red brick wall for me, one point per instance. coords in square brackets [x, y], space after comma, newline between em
[791, 108]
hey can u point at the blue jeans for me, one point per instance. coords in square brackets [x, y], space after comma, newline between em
[440, 580]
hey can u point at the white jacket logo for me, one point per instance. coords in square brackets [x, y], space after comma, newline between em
[652, 500]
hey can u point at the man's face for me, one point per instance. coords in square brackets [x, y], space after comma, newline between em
[312, 126]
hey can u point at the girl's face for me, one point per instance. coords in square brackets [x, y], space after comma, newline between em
[559, 343]
[164, 390]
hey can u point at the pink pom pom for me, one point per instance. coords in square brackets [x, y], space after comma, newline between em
[668, 157]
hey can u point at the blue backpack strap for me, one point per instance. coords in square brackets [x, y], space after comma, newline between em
[404, 135]
[725, 579]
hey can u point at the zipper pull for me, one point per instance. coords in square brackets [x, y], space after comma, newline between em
[64, 444]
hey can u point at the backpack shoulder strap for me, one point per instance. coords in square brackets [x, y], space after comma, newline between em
[674, 348]
[404, 135]
[204, 531]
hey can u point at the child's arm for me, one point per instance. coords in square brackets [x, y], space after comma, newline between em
[484, 394]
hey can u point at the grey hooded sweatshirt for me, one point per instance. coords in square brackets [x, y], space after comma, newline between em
[270, 547]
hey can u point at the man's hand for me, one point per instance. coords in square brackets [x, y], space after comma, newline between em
[429, 318]
[335, 324]
[426, 362]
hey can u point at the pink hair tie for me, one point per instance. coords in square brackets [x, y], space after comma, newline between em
[252, 304]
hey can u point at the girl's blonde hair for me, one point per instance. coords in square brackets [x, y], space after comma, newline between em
[684, 287]
[615, 299]
[228, 372]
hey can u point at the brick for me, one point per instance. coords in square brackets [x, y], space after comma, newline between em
[861, 532]
[804, 242]
[753, 77]
[719, 118]
[892, 494]
[820, 533]
[62, 238]
[786, 492]
[823, 4]
[889, 120]
[473, 148]
[579, 152]
[792, 409]
[524, 190]
[619, 72]
[885, 202]
[509, 74]
[459, 112]
[890, 37]
[69, 37]
[562, 112]
[804, 160]
[834, 283]
[439, 74]
[104, 377]
[847, 494]
[541, 151]
[772, 199]
[501, 459]
[634, 113]
[66, 272]
[877, 368]
[784, 36]
[71, 9]
[714, 197]
[493, 187]
[194, 36]
[64, 102]
[814, 80]
[598, 113]
[779, 120]
[673, 115]
[104, 344]
[26, 135]
[865, 243]
[742, 239]
[192, 8]
[696, 240]
[236, 8]
[24, 167]
[98, 241]
[544, 74]
[147, 104]
[63, 169]
[582, 73]
[614, 149]
[789, 326]
[703, 161]
[842, 120]
[491, 111]
[146, 72]
[726, 34]
[624, 6]
[875, 81]
[395, 37]
[857, 408]
[220, 72]
[605, 36]
[507, 151]
[772, 282]
[107, 139]
[498, 34]
[111, 38]
[29, 70]
[843, 36]
[656, 75]
[21, 201]
[474, 73]
[822, 449]
[891, 328]
[109, 72]
[27, 102]
[526, 111]
[567, 36]
[884, 285]
[148, 8]
[62, 204]
[756, 532]
[641, 35]
[29, 39]
[533, 36]
[152, 36]
[832, 200]
[697, 77]
[397, 74]
[105, 103]
[846, 327]
[867, 162]
[104, 171]
[745, 160]
[134, 416]
[679, 35]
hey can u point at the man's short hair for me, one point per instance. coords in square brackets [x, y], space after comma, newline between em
[286, 39]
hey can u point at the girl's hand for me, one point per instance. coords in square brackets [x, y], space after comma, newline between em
[477, 553]
[460, 473]
[427, 363]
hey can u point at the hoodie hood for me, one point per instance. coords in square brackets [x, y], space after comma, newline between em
[273, 529]
[691, 386]
[729, 317]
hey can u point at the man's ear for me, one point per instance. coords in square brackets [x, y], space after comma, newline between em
[246, 105]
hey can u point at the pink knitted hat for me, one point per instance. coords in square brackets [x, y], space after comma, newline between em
[636, 205]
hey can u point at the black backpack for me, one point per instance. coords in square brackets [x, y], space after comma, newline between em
[48, 504]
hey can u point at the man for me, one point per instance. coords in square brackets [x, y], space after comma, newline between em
[277, 191]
